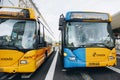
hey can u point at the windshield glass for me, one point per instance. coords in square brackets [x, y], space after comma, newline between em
[88, 34]
[17, 34]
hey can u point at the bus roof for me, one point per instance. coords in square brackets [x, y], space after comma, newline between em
[15, 12]
[84, 15]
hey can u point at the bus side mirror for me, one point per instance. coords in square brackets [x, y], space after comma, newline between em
[116, 35]
[61, 21]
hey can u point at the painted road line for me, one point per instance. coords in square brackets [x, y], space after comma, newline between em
[12, 76]
[4, 76]
[85, 76]
[27, 75]
[64, 70]
[114, 69]
[51, 71]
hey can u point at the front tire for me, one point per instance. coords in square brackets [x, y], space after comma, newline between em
[46, 55]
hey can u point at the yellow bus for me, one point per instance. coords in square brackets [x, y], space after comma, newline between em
[23, 42]
[87, 39]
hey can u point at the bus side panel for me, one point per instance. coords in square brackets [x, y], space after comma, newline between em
[49, 50]
[40, 56]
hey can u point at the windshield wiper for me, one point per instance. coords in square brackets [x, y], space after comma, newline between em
[12, 47]
[99, 45]
[8, 45]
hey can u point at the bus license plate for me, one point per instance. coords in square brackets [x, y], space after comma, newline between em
[1, 69]
[94, 64]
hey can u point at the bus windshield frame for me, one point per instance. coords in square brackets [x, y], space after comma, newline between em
[88, 34]
[17, 34]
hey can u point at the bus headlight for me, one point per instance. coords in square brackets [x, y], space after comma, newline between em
[111, 57]
[23, 62]
[65, 54]
[72, 58]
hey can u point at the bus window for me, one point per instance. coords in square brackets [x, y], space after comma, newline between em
[29, 34]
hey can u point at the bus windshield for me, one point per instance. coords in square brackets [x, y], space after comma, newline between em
[17, 34]
[89, 34]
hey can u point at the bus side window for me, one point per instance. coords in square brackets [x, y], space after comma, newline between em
[40, 34]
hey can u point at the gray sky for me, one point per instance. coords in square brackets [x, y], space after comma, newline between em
[51, 9]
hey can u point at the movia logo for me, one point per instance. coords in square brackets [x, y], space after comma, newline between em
[95, 54]
[6, 58]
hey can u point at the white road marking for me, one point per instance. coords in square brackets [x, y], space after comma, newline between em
[114, 69]
[85, 76]
[50, 73]
[64, 70]
[12, 76]
[27, 75]
[4, 76]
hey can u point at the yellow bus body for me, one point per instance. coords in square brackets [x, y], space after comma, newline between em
[10, 60]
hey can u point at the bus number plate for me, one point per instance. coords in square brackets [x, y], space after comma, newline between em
[94, 64]
[1, 69]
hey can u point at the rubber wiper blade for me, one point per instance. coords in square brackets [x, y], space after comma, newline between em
[101, 45]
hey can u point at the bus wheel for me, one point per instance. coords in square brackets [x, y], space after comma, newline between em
[46, 55]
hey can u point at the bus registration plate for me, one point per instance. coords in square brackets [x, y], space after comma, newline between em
[94, 64]
[1, 69]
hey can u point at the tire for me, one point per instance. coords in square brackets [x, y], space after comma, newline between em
[46, 55]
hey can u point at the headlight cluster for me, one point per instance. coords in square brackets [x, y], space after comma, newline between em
[111, 57]
[72, 58]
[23, 62]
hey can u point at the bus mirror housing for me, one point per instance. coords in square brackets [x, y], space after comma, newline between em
[61, 21]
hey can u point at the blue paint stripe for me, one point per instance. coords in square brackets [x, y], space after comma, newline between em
[80, 54]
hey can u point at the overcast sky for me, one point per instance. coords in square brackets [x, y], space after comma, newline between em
[51, 9]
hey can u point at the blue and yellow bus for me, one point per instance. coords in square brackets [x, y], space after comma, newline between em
[24, 45]
[87, 40]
